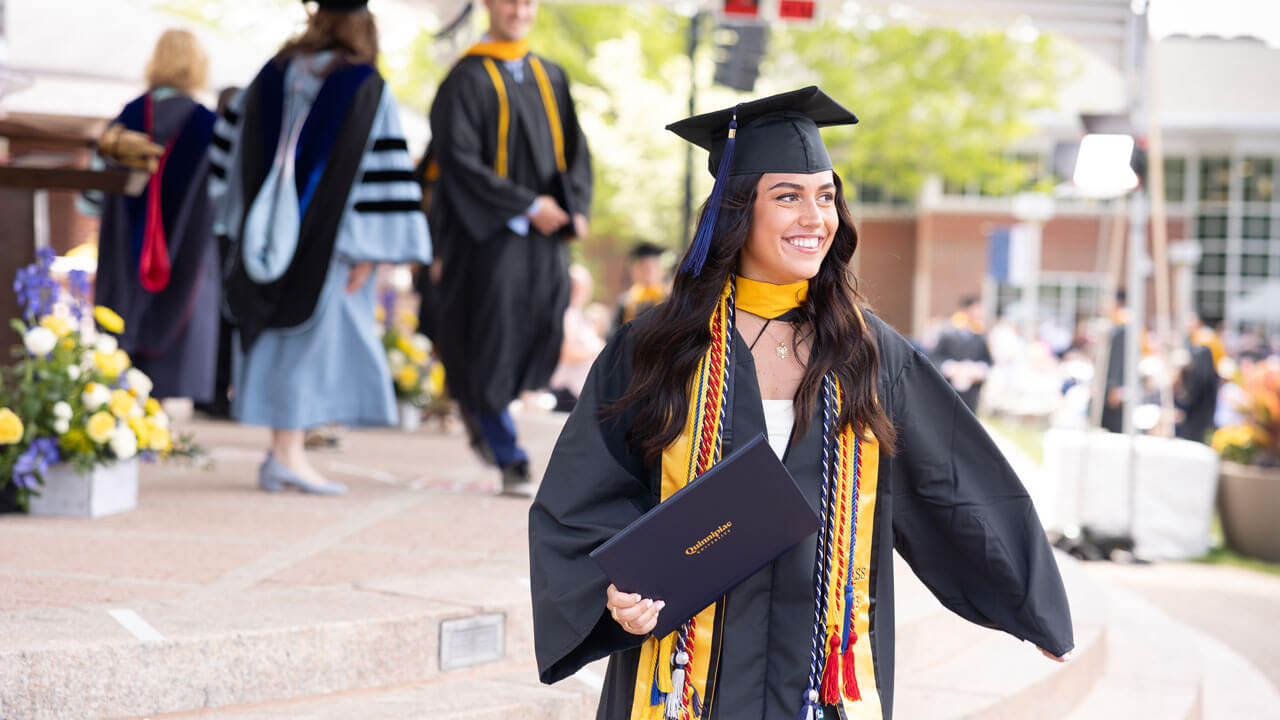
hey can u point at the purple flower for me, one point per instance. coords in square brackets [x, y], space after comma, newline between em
[35, 288]
[388, 305]
[79, 281]
[33, 463]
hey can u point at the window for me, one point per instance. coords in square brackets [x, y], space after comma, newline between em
[1257, 179]
[1215, 179]
[1175, 179]
[1257, 227]
[1211, 226]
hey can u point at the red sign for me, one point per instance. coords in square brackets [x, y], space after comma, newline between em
[741, 8]
[797, 9]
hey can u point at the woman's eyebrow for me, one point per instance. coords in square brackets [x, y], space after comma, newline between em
[794, 186]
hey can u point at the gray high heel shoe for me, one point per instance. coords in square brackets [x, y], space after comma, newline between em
[273, 476]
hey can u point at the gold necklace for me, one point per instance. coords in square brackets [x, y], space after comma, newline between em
[780, 351]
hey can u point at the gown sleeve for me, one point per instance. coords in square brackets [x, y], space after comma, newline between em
[963, 520]
[224, 167]
[579, 156]
[592, 489]
[460, 122]
[385, 221]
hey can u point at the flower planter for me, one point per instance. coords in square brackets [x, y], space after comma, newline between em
[410, 416]
[104, 490]
[1249, 505]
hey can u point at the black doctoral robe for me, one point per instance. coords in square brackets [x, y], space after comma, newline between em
[499, 306]
[947, 501]
[171, 334]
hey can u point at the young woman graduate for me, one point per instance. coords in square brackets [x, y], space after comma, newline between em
[315, 185]
[764, 333]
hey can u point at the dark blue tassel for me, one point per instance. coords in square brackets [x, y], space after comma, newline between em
[702, 239]
[656, 696]
[848, 617]
[810, 706]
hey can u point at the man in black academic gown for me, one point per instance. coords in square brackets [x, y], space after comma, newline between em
[962, 354]
[514, 185]
[649, 285]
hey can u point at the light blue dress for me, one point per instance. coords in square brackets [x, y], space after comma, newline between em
[331, 368]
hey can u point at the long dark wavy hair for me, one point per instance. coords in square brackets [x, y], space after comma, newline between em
[669, 346]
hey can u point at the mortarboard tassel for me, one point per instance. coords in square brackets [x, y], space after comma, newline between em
[706, 228]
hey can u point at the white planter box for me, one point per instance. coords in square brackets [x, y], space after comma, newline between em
[410, 415]
[105, 490]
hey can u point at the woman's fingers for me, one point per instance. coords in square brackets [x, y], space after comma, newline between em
[620, 600]
[635, 614]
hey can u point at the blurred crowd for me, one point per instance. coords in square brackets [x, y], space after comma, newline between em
[1073, 377]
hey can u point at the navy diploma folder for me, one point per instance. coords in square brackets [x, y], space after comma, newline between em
[710, 535]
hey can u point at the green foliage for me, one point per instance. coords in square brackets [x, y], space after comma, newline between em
[929, 100]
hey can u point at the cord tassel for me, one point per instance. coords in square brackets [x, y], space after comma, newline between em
[831, 674]
[850, 674]
[810, 705]
[676, 697]
[707, 227]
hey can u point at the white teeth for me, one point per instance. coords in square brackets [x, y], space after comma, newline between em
[804, 243]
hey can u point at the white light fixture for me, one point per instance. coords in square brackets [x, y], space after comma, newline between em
[1102, 166]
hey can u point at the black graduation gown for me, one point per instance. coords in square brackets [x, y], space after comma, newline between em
[963, 344]
[499, 315]
[947, 501]
[171, 335]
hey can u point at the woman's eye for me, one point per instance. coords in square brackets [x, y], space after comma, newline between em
[826, 198]
[789, 197]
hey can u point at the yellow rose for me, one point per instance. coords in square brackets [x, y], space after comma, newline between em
[152, 406]
[408, 319]
[161, 440]
[58, 324]
[100, 426]
[437, 380]
[141, 429]
[108, 319]
[416, 355]
[379, 315]
[11, 428]
[407, 378]
[112, 364]
[121, 403]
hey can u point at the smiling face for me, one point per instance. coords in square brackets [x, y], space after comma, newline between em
[510, 20]
[792, 225]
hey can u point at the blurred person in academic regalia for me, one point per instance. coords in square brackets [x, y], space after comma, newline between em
[314, 187]
[649, 286]
[158, 262]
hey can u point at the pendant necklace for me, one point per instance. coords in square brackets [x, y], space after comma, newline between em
[781, 350]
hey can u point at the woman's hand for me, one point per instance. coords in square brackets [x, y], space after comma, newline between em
[357, 276]
[636, 615]
[1051, 656]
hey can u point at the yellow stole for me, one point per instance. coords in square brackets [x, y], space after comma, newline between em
[692, 453]
[510, 51]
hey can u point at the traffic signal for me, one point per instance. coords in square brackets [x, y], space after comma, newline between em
[740, 46]
[797, 9]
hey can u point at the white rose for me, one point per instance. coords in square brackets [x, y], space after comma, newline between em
[73, 372]
[61, 426]
[421, 342]
[138, 381]
[396, 359]
[40, 340]
[62, 410]
[106, 344]
[96, 397]
[161, 420]
[124, 444]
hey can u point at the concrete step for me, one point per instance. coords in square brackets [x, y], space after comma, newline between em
[948, 668]
[1153, 671]
[260, 645]
[496, 693]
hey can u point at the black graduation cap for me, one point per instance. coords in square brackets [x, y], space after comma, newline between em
[778, 133]
[342, 6]
[644, 249]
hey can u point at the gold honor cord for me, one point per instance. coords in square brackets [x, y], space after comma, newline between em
[504, 117]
